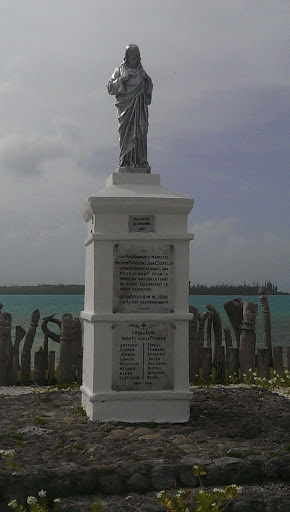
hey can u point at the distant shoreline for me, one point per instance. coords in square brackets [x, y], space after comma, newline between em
[79, 289]
[44, 289]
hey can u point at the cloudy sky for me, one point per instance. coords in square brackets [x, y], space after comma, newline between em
[217, 129]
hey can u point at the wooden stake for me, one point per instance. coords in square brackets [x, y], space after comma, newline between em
[263, 360]
[278, 363]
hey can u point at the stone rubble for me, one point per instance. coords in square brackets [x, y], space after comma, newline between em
[238, 434]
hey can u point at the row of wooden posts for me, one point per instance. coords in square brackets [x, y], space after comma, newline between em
[207, 356]
[17, 369]
[206, 350]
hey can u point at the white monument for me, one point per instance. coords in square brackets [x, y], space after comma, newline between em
[135, 359]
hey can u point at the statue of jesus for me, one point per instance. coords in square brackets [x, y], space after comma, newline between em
[133, 90]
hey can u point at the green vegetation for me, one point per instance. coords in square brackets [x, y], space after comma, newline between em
[40, 420]
[231, 289]
[73, 386]
[276, 381]
[8, 455]
[195, 289]
[98, 507]
[80, 411]
[40, 503]
[37, 503]
[205, 501]
[44, 289]
[17, 439]
[240, 455]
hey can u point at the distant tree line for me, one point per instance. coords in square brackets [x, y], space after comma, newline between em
[195, 289]
[231, 289]
[44, 289]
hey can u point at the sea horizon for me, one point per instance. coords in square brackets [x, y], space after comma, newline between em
[21, 307]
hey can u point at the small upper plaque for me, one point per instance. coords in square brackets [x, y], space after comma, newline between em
[143, 223]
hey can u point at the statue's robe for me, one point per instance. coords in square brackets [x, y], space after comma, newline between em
[132, 100]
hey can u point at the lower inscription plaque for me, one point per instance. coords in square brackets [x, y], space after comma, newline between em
[143, 356]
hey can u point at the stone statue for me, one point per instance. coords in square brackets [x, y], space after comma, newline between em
[133, 90]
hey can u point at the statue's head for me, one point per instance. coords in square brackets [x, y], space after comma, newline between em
[132, 56]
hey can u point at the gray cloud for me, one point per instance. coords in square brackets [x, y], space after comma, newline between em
[220, 253]
[217, 125]
[26, 154]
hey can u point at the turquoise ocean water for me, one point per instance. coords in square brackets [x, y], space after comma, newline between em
[21, 307]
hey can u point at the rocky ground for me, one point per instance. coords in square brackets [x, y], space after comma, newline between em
[238, 434]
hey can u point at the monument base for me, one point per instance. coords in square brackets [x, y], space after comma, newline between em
[135, 354]
[138, 170]
[135, 407]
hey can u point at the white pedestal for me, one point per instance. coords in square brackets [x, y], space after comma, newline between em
[135, 362]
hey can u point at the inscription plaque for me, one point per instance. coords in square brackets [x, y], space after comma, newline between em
[143, 278]
[143, 356]
[145, 223]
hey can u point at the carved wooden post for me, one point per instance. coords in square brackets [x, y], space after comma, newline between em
[266, 319]
[232, 362]
[206, 362]
[80, 367]
[234, 310]
[228, 338]
[15, 366]
[76, 343]
[217, 329]
[52, 335]
[66, 373]
[278, 362]
[19, 335]
[248, 338]
[202, 317]
[193, 346]
[5, 349]
[45, 349]
[26, 354]
[220, 365]
[263, 360]
[51, 368]
[208, 330]
[39, 367]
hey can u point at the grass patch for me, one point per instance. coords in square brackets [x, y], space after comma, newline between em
[80, 411]
[240, 455]
[69, 387]
[40, 420]
[45, 398]
[78, 447]
[61, 446]
[18, 439]
[273, 455]
[109, 428]
[98, 507]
